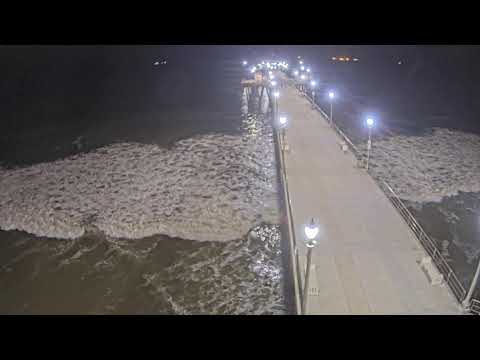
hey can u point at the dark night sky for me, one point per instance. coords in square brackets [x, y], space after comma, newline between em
[42, 84]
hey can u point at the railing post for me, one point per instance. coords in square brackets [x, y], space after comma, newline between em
[473, 285]
[307, 280]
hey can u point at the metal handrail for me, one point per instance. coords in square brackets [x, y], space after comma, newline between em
[292, 238]
[475, 306]
[428, 244]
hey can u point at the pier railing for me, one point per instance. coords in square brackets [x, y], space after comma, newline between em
[475, 306]
[295, 263]
[428, 244]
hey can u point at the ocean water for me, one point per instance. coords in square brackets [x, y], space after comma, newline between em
[143, 208]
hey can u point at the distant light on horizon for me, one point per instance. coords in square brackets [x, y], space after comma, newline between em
[245, 62]
[370, 122]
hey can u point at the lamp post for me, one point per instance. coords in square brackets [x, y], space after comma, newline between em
[331, 96]
[245, 63]
[369, 143]
[276, 95]
[473, 285]
[311, 232]
[283, 124]
[302, 77]
[313, 83]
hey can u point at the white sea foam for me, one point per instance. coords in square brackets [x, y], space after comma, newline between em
[239, 277]
[431, 167]
[211, 187]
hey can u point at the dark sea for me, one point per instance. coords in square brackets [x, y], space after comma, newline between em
[129, 186]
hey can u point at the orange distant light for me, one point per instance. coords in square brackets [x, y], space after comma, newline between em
[347, 59]
[341, 59]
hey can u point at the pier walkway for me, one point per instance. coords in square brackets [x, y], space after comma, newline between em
[367, 260]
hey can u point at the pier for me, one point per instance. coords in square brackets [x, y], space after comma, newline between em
[368, 260]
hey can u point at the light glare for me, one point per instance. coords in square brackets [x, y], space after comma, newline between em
[311, 231]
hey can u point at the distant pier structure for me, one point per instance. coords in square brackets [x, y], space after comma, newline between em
[255, 90]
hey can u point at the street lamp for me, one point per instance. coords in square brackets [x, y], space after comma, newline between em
[245, 63]
[276, 95]
[274, 83]
[313, 83]
[331, 96]
[302, 87]
[311, 232]
[302, 68]
[283, 124]
[295, 73]
[308, 70]
[370, 123]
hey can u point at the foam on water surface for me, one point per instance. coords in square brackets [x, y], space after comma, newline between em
[428, 168]
[209, 187]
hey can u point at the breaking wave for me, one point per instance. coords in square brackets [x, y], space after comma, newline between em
[210, 187]
[428, 168]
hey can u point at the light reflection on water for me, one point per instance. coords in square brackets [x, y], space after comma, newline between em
[95, 274]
